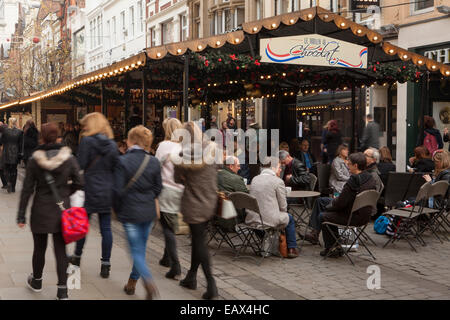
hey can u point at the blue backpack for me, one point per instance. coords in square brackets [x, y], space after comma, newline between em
[381, 224]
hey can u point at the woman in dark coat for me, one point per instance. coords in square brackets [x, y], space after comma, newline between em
[333, 139]
[198, 205]
[97, 156]
[135, 203]
[421, 161]
[12, 139]
[30, 140]
[45, 214]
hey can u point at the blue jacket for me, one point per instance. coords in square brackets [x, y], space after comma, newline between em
[97, 156]
[137, 204]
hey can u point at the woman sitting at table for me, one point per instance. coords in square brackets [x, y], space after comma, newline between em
[339, 170]
[421, 161]
[441, 159]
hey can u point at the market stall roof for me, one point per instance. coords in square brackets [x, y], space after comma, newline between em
[314, 20]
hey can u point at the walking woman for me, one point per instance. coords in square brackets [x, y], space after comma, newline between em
[170, 198]
[12, 139]
[97, 156]
[333, 139]
[30, 140]
[198, 204]
[137, 185]
[45, 214]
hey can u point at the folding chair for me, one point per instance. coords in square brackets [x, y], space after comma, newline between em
[248, 232]
[364, 199]
[438, 190]
[409, 224]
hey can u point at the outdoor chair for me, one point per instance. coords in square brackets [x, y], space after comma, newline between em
[432, 222]
[249, 232]
[409, 223]
[350, 233]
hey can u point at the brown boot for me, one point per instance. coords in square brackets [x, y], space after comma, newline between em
[130, 287]
[312, 237]
[152, 291]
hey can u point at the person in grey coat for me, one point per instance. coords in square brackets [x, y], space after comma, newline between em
[339, 169]
[371, 134]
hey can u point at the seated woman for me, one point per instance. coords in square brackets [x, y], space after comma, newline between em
[339, 170]
[386, 165]
[338, 210]
[441, 159]
[421, 161]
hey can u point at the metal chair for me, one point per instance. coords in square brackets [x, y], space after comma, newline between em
[409, 224]
[364, 199]
[248, 232]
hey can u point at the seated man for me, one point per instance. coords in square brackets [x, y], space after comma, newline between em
[338, 210]
[295, 174]
[307, 157]
[270, 192]
[373, 157]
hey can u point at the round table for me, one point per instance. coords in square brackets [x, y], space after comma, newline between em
[303, 194]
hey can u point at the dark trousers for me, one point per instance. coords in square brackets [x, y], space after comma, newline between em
[199, 253]
[40, 246]
[319, 206]
[170, 250]
[107, 239]
[3, 178]
[11, 175]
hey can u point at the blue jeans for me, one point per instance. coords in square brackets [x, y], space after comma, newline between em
[290, 233]
[107, 239]
[137, 234]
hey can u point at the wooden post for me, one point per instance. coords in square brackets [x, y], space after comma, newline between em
[127, 102]
[353, 141]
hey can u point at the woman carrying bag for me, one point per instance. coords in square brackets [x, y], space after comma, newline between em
[45, 214]
[137, 184]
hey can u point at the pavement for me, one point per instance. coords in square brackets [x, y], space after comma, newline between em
[404, 274]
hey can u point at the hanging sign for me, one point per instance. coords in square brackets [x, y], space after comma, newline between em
[314, 50]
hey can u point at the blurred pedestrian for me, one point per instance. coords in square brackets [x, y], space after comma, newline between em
[45, 214]
[30, 140]
[137, 185]
[12, 139]
[198, 204]
[333, 139]
[2, 173]
[432, 139]
[371, 134]
[170, 197]
[70, 138]
[97, 156]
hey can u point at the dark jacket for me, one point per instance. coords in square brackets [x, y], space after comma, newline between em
[228, 181]
[373, 170]
[137, 204]
[435, 132]
[12, 140]
[332, 141]
[98, 157]
[134, 121]
[301, 156]
[300, 179]
[30, 142]
[371, 136]
[424, 165]
[385, 168]
[344, 203]
[45, 214]
[447, 139]
[70, 140]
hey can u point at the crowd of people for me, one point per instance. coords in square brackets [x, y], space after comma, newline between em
[144, 184]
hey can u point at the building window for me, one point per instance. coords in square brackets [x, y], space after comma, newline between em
[131, 17]
[259, 9]
[167, 32]
[141, 16]
[294, 5]
[420, 6]
[153, 37]
[227, 21]
[114, 31]
[100, 30]
[91, 31]
[183, 28]
[94, 33]
[123, 25]
[108, 32]
[239, 16]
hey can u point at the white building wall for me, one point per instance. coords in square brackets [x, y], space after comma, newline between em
[9, 19]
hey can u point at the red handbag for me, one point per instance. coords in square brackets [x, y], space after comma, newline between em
[75, 221]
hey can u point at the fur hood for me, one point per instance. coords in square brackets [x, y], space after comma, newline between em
[54, 162]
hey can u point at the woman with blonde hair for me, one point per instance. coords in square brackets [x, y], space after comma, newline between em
[441, 159]
[170, 197]
[97, 156]
[198, 174]
[137, 185]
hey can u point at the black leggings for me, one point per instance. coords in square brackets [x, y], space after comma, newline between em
[170, 250]
[200, 253]
[40, 246]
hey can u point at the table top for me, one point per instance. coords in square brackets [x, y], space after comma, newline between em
[303, 194]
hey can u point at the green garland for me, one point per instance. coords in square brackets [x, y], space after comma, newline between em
[401, 72]
[223, 62]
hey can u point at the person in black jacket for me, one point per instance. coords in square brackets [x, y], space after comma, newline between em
[333, 139]
[385, 165]
[421, 161]
[136, 202]
[305, 156]
[294, 174]
[30, 140]
[338, 210]
[12, 139]
[2, 173]
[45, 214]
[97, 156]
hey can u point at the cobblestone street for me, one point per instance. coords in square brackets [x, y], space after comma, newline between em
[404, 273]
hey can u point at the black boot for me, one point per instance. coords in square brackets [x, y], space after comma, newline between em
[13, 182]
[104, 271]
[62, 293]
[174, 272]
[211, 291]
[190, 281]
[165, 260]
[75, 260]
[34, 284]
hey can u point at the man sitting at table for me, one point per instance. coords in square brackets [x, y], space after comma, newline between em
[338, 210]
[307, 157]
[294, 174]
[270, 192]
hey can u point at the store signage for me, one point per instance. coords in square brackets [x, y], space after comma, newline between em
[363, 4]
[315, 50]
[440, 55]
